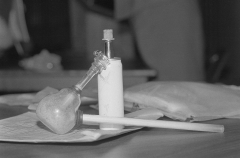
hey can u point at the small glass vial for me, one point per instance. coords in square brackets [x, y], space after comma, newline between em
[110, 87]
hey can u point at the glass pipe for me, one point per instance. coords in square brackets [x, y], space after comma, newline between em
[100, 63]
[58, 111]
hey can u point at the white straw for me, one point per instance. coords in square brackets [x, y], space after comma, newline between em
[154, 123]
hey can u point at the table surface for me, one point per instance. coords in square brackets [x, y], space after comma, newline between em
[147, 142]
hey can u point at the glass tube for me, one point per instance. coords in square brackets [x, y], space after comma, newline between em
[100, 63]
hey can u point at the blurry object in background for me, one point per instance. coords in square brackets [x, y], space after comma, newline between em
[13, 28]
[24, 99]
[100, 13]
[168, 36]
[216, 66]
[104, 7]
[32, 25]
[221, 20]
[43, 62]
[48, 24]
[5, 37]
[18, 26]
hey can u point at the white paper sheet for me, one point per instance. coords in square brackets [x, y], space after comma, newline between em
[27, 128]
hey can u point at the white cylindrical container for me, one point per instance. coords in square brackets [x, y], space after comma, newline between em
[110, 93]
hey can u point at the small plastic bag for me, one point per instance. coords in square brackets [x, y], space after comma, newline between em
[186, 101]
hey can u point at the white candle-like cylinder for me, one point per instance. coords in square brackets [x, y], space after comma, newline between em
[110, 93]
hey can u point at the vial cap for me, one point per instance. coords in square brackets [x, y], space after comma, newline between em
[108, 34]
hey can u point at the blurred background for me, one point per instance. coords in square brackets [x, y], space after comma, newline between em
[72, 29]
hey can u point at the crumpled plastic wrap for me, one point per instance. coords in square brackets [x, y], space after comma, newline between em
[42, 62]
[186, 101]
